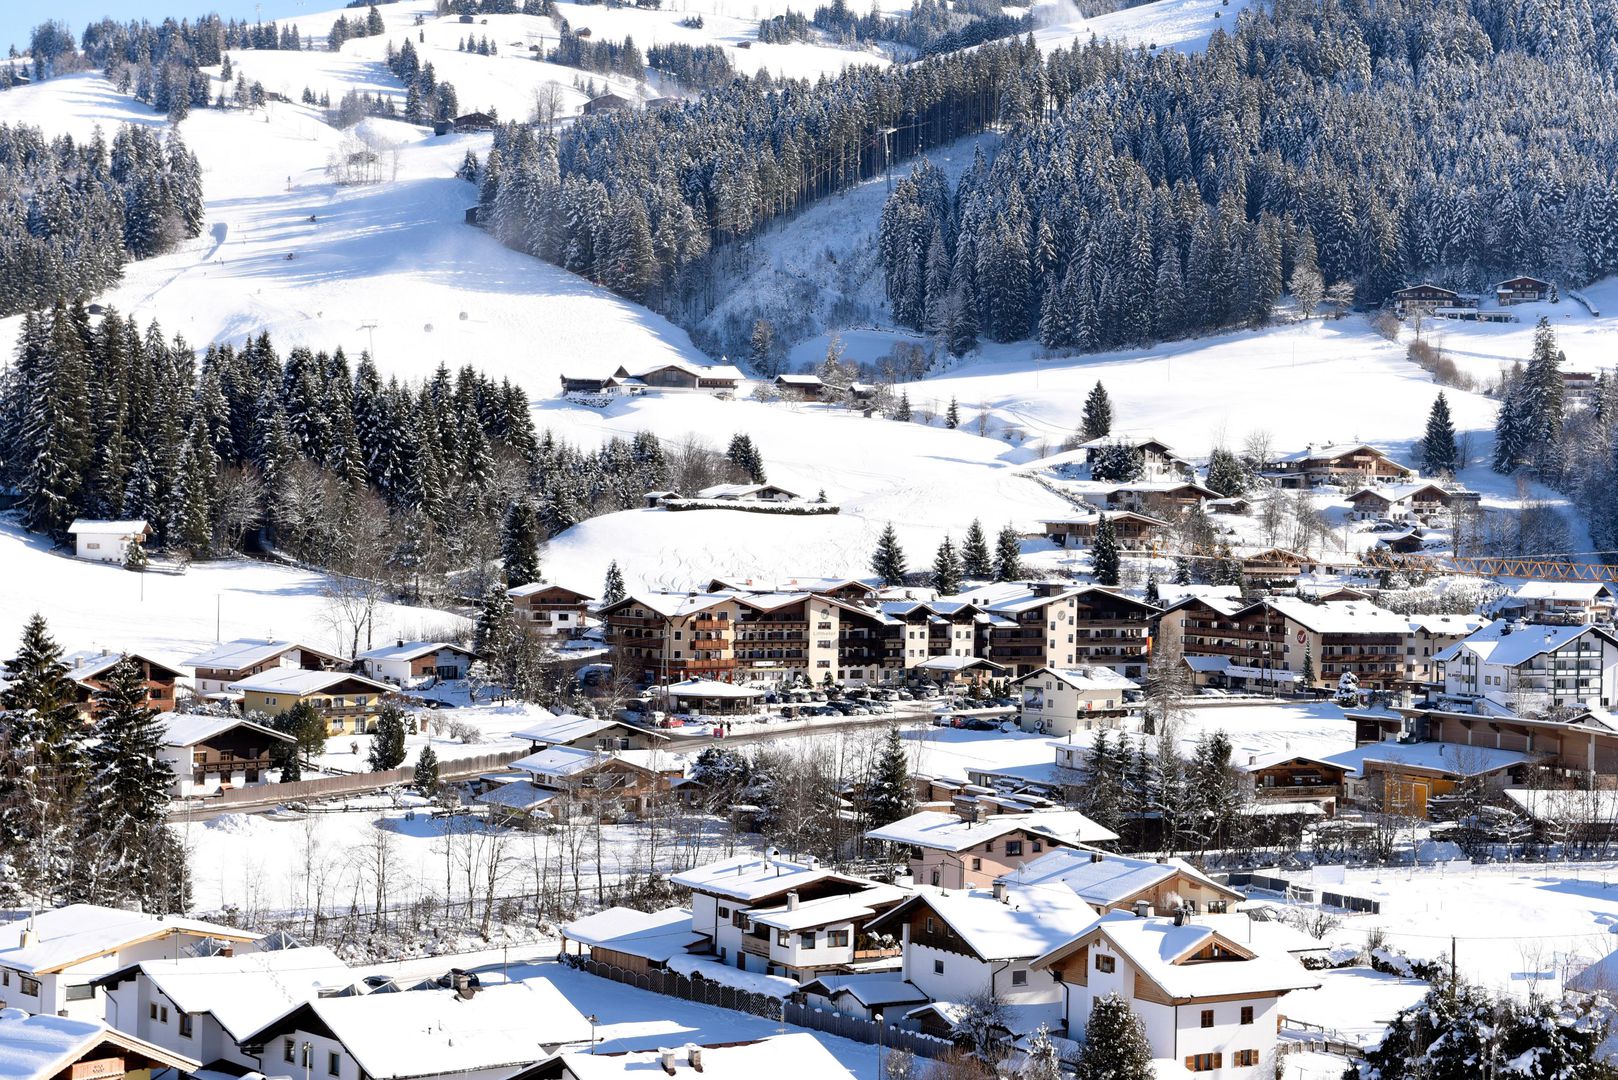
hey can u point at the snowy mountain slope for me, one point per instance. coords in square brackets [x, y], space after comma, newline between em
[171, 617]
[289, 251]
[1179, 24]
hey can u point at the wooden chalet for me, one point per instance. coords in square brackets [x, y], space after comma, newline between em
[90, 671]
[550, 610]
[606, 102]
[1295, 778]
[1274, 565]
[1522, 290]
[1128, 526]
[1428, 298]
[1349, 464]
[216, 753]
[474, 121]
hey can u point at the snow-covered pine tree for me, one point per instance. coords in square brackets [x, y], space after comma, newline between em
[1439, 453]
[1226, 474]
[612, 590]
[888, 560]
[889, 794]
[952, 415]
[976, 562]
[1115, 1046]
[1097, 421]
[520, 539]
[1104, 560]
[1007, 555]
[388, 739]
[1040, 1060]
[425, 780]
[946, 578]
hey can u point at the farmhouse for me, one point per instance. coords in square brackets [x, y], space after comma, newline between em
[106, 541]
[1128, 527]
[345, 701]
[710, 378]
[1347, 464]
[771, 493]
[1159, 460]
[801, 387]
[215, 753]
[1522, 290]
[604, 102]
[549, 610]
[236, 660]
[966, 851]
[89, 670]
[416, 663]
[1428, 298]
[1424, 503]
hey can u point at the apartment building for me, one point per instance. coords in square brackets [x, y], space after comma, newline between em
[1044, 625]
[1273, 643]
[1060, 701]
[970, 850]
[666, 637]
[1517, 666]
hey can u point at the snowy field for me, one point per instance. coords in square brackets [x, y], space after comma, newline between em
[1178, 24]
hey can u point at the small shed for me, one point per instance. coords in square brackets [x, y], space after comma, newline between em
[106, 541]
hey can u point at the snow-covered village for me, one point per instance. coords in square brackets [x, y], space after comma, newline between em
[557, 540]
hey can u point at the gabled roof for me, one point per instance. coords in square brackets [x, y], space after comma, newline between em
[1103, 880]
[871, 989]
[1454, 759]
[42, 1047]
[188, 729]
[567, 729]
[249, 652]
[1161, 952]
[1396, 493]
[1505, 643]
[517, 795]
[1340, 616]
[559, 762]
[800, 380]
[1084, 678]
[300, 682]
[671, 605]
[133, 526]
[752, 877]
[435, 1032]
[545, 586]
[1028, 922]
[90, 664]
[1326, 453]
[938, 830]
[412, 650]
[66, 936]
[655, 935]
[793, 1056]
[829, 910]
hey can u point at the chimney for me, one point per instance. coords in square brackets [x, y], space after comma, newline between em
[1143, 909]
[29, 937]
[1179, 916]
[792, 900]
[666, 1059]
[398, 643]
[999, 888]
[695, 1053]
[1096, 856]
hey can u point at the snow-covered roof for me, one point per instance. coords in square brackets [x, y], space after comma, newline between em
[299, 682]
[1084, 678]
[700, 371]
[1566, 805]
[88, 663]
[1340, 616]
[1447, 624]
[756, 877]
[540, 586]
[1104, 879]
[829, 910]
[940, 830]
[1588, 591]
[1156, 948]
[1395, 493]
[871, 989]
[557, 762]
[561, 730]
[188, 729]
[654, 935]
[1456, 758]
[956, 663]
[65, 936]
[1129, 439]
[410, 650]
[132, 527]
[800, 380]
[436, 1032]
[1325, 453]
[672, 605]
[753, 982]
[518, 795]
[42, 1047]
[793, 1056]
[710, 688]
[248, 991]
[247, 652]
[1028, 922]
[1506, 643]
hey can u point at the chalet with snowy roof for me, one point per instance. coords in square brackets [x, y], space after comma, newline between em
[608, 784]
[637, 941]
[207, 1007]
[1516, 667]
[604, 102]
[801, 387]
[59, 1048]
[1430, 635]
[50, 961]
[865, 994]
[468, 1033]
[961, 945]
[1271, 643]
[679, 375]
[550, 611]
[1560, 602]
[1292, 778]
[1155, 498]
[765, 913]
[1208, 1003]
[474, 121]
[1274, 566]
[970, 849]
[347, 702]
[1522, 290]
[235, 660]
[1403, 777]
[588, 733]
[597, 384]
[1129, 528]
[90, 670]
[1346, 464]
[770, 493]
[416, 663]
[1109, 882]
[1060, 701]
[793, 1056]
[1159, 460]
[1424, 503]
[106, 541]
[210, 754]
[1428, 298]
[519, 804]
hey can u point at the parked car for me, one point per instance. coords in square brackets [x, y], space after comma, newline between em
[981, 723]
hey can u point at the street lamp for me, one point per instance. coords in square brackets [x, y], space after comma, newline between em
[593, 1021]
[879, 1046]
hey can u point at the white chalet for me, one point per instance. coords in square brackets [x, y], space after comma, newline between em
[407, 663]
[956, 851]
[1109, 882]
[1060, 701]
[1513, 664]
[1208, 1004]
[106, 541]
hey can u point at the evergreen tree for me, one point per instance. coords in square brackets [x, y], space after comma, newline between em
[613, 590]
[947, 569]
[744, 456]
[496, 627]
[1008, 555]
[761, 351]
[889, 793]
[1104, 560]
[888, 561]
[901, 411]
[1439, 454]
[952, 415]
[426, 777]
[520, 543]
[40, 700]
[388, 739]
[1182, 570]
[1115, 1046]
[1041, 1061]
[1226, 474]
[307, 728]
[1097, 414]
[976, 563]
[1153, 597]
[1117, 463]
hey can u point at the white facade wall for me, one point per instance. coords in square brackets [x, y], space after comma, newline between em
[101, 547]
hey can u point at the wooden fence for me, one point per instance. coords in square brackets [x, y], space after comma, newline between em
[328, 787]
